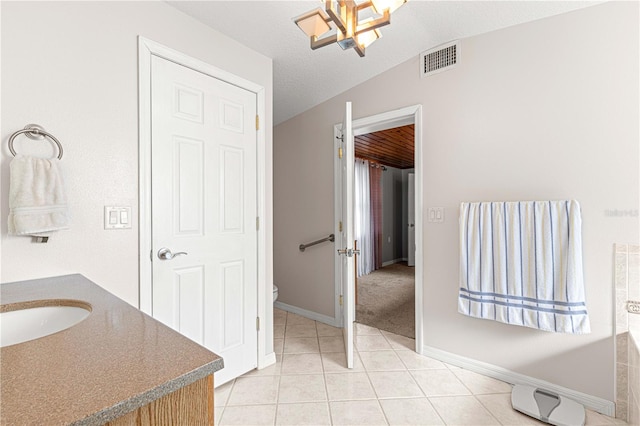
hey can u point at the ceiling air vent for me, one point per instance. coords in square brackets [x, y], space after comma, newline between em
[438, 59]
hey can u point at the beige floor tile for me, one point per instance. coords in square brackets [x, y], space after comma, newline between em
[279, 316]
[313, 413]
[414, 361]
[295, 319]
[336, 362]
[221, 394]
[596, 419]
[394, 384]
[400, 343]
[217, 415]
[302, 388]
[278, 331]
[372, 343]
[439, 383]
[300, 330]
[365, 330]
[357, 413]
[479, 384]
[301, 364]
[341, 387]
[462, 410]
[410, 411]
[499, 405]
[278, 346]
[394, 379]
[327, 330]
[255, 415]
[331, 344]
[272, 370]
[381, 361]
[301, 345]
[254, 390]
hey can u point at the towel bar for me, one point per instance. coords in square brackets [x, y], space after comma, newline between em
[31, 129]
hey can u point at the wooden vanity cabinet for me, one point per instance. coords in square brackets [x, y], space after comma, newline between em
[191, 405]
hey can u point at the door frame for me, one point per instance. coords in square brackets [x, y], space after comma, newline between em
[386, 120]
[146, 49]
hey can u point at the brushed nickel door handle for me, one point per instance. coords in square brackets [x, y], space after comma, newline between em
[166, 254]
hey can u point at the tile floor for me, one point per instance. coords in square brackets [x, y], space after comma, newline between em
[390, 384]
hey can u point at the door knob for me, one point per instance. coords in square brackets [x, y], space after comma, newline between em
[165, 254]
[348, 252]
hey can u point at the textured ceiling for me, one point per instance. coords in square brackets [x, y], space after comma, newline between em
[303, 78]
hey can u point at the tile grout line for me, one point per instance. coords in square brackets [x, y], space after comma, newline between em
[416, 382]
[366, 371]
[284, 341]
[324, 377]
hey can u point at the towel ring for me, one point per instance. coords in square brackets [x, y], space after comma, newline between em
[34, 131]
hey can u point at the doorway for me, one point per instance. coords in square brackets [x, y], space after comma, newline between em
[385, 287]
[393, 119]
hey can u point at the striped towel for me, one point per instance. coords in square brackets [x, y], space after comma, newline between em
[521, 264]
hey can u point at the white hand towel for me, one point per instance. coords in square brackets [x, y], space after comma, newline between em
[37, 200]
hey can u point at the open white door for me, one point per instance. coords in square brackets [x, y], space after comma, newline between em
[347, 253]
[344, 159]
[411, 232]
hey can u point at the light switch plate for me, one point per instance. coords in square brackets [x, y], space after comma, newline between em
[435, 214]
[117, 217]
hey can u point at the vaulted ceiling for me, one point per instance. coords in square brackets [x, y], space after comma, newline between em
[303, 78]
[391, 147]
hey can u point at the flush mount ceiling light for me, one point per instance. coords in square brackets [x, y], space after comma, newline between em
[340, 19]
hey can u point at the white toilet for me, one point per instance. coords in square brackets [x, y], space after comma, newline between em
[275, 292]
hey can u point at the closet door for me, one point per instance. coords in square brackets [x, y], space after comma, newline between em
[204, 205]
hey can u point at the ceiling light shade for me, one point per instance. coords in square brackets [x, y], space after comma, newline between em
[366, 38]
[381, 5]
[341, 16]
[313, 23]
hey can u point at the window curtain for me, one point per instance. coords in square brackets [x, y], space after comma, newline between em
[375, 189]
[363, 226]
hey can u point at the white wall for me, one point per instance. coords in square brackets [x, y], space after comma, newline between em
[543, 110]
[72, 67]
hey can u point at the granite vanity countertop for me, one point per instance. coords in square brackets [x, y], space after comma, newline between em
[116, 360]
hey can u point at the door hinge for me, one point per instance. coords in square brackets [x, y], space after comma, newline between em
[151, 255]
[340, 300]
[340, 226]
[257, 223]
[257, 122]
[257, 323]
[340, 152]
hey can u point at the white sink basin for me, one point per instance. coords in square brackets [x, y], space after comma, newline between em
[18, 326]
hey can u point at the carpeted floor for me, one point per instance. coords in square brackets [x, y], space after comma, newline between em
[386, 299]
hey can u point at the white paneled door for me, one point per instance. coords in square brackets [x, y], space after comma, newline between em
[204, 212]
[347, 237]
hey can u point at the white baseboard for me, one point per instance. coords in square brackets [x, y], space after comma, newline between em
[391, 262]
[595, 403]
[307, 314]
